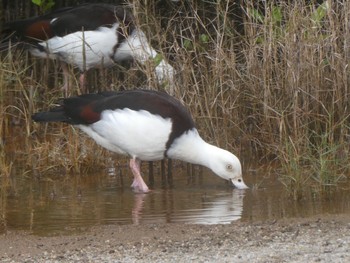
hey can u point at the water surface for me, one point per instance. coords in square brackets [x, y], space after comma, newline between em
[71, 203]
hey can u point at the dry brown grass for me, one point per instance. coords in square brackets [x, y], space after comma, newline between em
[280, 91]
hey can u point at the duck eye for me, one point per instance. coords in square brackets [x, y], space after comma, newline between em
[229, 167]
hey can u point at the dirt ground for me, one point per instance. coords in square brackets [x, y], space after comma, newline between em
[324, 239]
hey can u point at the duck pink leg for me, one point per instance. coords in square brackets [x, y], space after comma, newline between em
[66, 76]
[138, 184]
[66, 79]
[82, 82]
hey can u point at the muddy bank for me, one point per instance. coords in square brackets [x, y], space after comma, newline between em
[325, 239]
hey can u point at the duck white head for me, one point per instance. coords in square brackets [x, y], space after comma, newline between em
[227, 166]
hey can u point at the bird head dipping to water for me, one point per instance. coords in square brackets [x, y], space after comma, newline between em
[228, 167]
[190, 147]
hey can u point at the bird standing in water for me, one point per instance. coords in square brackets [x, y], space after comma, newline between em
[147, 126]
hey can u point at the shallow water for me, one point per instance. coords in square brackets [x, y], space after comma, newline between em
[66, 204]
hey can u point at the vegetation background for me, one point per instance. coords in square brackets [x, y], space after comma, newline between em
[267, 80]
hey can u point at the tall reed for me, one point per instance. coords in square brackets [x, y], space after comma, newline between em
[278, 92]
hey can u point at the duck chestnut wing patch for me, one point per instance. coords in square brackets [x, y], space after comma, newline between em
[39, 30]
[89, 115]
[82, 110]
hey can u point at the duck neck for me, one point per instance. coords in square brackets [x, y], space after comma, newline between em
[190, 147]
